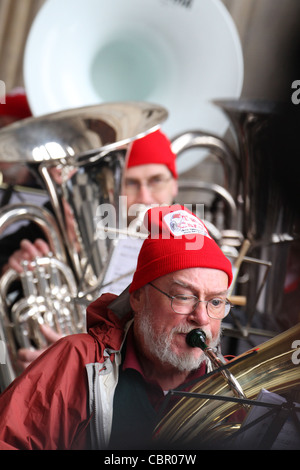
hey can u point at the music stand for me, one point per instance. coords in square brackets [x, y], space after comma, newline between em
[278, 414]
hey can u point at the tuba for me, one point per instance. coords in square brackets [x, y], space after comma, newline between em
[260, 173]
[48, 292]
[79, 156]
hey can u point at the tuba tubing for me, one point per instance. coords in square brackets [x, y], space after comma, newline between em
[226, 155]
[13, 213]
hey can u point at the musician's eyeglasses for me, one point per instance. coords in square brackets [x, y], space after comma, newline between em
[155, 184]
[185, 304]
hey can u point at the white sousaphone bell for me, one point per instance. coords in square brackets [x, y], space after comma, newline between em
[180, 54]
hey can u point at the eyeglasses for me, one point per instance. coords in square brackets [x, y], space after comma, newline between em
[154, 184]
[185, 304]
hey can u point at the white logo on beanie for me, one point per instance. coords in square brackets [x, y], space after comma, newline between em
[182, 222]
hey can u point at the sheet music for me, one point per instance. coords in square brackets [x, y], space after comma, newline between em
[288, 437]
[122, 265]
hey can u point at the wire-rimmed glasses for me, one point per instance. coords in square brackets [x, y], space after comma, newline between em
[185, 304]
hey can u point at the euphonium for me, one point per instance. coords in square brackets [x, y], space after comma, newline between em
[199, 421]
[47, 293]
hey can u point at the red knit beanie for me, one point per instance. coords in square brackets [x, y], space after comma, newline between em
[153, 148]
[177, 240]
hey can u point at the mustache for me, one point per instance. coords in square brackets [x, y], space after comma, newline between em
[185, 329]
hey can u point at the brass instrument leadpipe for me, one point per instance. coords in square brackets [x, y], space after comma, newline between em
[196, 339]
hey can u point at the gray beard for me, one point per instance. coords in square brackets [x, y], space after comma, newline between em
[160, 347]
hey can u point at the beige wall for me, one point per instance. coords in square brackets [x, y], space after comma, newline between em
[268, 31]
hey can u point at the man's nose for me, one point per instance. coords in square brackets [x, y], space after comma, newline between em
[200, 315]
[145, 195]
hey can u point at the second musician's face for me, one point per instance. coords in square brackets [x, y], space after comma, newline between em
[149, 184]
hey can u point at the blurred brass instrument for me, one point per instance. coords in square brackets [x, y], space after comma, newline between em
[265, 217]
[259, 195]
[79, 156]
[200, 421]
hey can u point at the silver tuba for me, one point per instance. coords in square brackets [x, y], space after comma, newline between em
[79, 156]
[267, 141]
[48, 289]
[261, 193]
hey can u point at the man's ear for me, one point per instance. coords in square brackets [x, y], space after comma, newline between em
[136, 299]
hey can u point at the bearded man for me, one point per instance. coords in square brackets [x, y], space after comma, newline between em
[104, 389]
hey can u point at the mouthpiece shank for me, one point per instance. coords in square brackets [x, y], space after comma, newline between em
[196, 339]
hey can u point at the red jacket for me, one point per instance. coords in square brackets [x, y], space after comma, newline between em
[47, 407]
